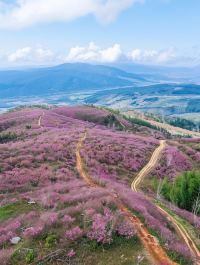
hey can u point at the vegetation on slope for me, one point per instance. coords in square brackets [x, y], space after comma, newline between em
[56, 209]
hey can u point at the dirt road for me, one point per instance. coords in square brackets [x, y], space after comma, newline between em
[153, 161]
[172, 129]
[39, 121]
[151, 244]
[79, 163]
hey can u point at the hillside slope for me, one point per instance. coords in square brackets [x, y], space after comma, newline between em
[57, 215]
[63, 78]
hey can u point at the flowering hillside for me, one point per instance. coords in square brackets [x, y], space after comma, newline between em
[116, 156]
[85, 113]
[49, 213]
[171, 162]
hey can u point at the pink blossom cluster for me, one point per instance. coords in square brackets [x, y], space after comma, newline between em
[195, 155]
[171, 162]
[33, 231]
[90, 114]
[127, 229]
[71, 253]
[74, 234]
[8, 232]
[188, 216]
[181, 249]
[5, 254]
[104, 225]
[55, 219]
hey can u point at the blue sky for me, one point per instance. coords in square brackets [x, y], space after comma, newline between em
[42, 32]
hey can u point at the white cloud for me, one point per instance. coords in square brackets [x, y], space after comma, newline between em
[30, 12]
[27, 54]
[21, 54]
[94, 54]
[115, 54]
[170, 55]
[75, 53]
[112, 54]
[44, 55]
[93, 47]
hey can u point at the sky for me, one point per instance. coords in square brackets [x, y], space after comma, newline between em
[50, 32]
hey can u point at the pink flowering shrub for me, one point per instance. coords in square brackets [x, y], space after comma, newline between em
[8, 232]
[67, 220]
[104, 225]
[172, 162]
[188, 216]
[33, 231]
[73, 234]
[127, 229]
[193, 153]
[71, 253]
[5, 255]
[181, 249]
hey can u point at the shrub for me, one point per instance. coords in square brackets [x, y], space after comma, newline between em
[73, 234]
[51, 241]
[30, 256]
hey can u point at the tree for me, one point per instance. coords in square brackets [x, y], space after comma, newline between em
[196, 207]
[192, 192]
[159, 189]
[184, 192]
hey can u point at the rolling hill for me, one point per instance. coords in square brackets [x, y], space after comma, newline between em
[63, 78]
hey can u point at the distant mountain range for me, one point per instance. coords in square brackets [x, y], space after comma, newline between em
[159, 90]
[64, 78]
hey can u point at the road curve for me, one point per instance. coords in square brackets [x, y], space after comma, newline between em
[154, 249]
[153, 161]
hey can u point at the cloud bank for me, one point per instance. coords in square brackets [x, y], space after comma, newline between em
[28, 55]
[94, 54]
[116, 54]
[30, 12]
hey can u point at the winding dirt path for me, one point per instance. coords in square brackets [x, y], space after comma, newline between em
[79, 163]
[152, 163]
[181, 230]
[151, 244]
[39, 121]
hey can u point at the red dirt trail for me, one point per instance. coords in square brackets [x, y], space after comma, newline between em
[154, 249]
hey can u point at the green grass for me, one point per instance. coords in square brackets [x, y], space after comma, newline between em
[120, 251]
[15, 209]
